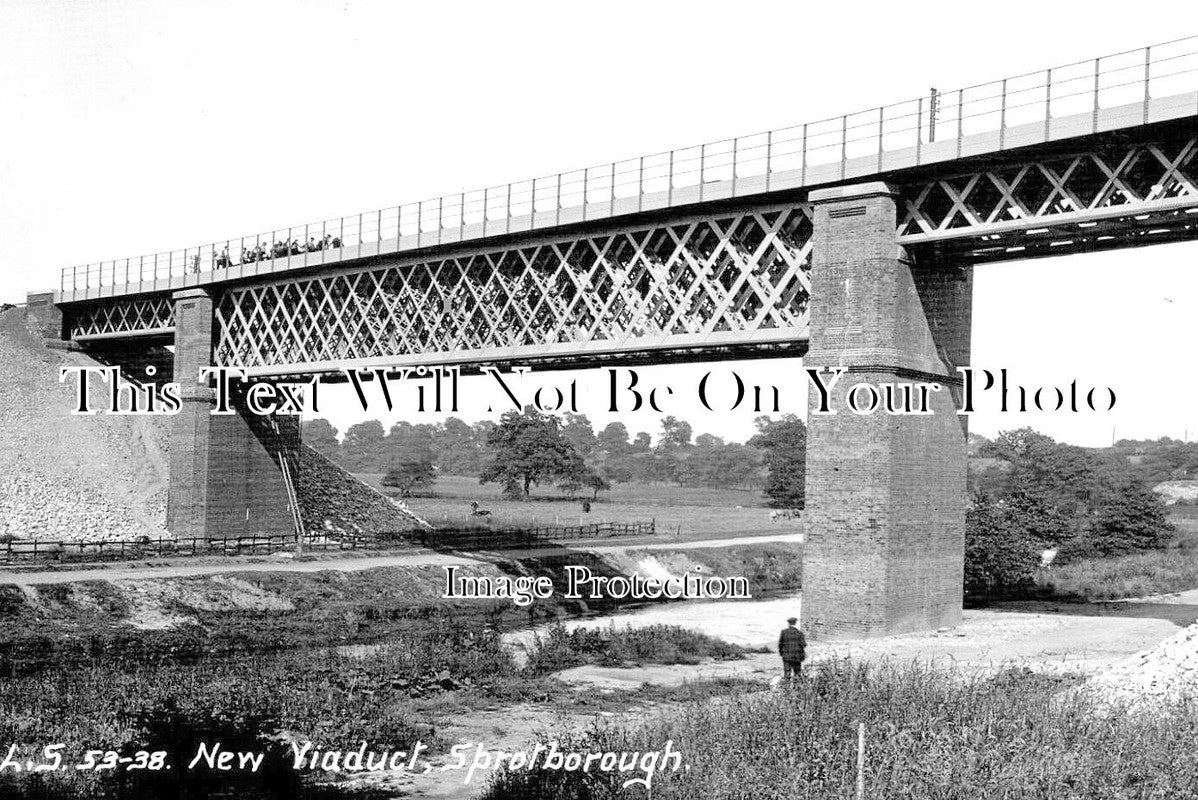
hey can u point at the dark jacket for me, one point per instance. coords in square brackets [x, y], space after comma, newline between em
[792, 645]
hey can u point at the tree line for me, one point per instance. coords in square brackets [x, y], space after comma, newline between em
[528, 448]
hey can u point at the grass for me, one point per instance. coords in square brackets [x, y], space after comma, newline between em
[697, 513]
[1174, 569]
[930, 735]
[392, 696]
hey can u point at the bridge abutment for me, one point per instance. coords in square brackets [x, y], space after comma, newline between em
[225, 476]
[885, 507]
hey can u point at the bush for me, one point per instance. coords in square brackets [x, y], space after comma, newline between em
[1000, 557]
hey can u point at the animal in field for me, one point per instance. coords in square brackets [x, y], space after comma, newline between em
[784, 513]
[475, 511]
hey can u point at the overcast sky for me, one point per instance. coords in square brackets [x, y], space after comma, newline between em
[134, 127]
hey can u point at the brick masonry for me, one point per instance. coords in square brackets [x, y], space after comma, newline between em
[225, 479]
[42, 316]
[885, 511]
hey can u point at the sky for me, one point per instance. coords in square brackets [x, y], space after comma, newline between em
[134, 127]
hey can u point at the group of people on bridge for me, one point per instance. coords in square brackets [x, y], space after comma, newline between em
[280, 249]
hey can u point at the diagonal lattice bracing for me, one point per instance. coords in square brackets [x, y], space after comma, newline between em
[122, 316]
[1116, 192]
[719, 279]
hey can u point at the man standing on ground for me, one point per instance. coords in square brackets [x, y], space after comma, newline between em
[792, 646]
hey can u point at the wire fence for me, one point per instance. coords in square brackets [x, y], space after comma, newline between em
[1085, 87]
[18, 551]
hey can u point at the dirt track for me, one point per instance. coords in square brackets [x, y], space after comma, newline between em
[349, 563]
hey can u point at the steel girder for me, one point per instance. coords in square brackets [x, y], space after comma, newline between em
[1116, 194]
[699, 282]
[119, 317]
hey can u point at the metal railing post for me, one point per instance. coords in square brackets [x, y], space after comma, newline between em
[803, 173]
[1147, 80]
[1047, 104]
[640, 185]
[735, 148]
[1097, 74]
[960, 119]
[918, 130]
[844, 144]
[670, 185]
[611, 206]
[1002, 117]
[881, 129]
[557, 206]
[509, 208]
[702, 169]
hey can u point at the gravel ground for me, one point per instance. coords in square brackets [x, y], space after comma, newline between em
[65, 476]
[1165, 673]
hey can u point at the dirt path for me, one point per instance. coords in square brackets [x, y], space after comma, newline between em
[351, 563]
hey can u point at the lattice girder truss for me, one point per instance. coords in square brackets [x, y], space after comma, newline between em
[720, 279]
[1114, 195]
[123, 316]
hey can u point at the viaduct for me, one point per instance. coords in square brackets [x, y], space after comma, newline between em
[849, 241]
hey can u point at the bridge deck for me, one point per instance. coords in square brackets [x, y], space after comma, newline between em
[1107, 94]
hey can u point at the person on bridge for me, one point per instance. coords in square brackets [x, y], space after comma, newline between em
[792, 646]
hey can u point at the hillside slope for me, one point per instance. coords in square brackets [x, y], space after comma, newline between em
[66, 476]
[104, 477]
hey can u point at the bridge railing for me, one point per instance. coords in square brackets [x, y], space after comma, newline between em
[1116, 80]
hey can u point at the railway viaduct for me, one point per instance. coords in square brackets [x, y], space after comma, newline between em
[849, 241]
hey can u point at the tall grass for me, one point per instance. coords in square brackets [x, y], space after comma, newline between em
[930, 735]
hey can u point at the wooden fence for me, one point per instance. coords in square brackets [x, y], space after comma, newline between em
[33, 550]
[507, 538]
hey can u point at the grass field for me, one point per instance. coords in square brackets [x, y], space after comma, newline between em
[1174, 569]
[697, 513]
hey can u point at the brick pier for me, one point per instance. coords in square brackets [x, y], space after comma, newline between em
[225, 478]
[885, 513]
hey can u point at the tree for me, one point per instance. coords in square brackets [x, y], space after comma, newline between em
[455, 448]
[642, 443]
[613, 439]
[410, 474]
[577, 430]
[999, 556]
[1131, 520]
[362, 450]
[321, 436]
[406, 442]
[674, 433]
[596, 483]
[528, 448]
[785, 444]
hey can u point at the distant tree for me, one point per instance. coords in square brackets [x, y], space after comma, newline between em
[596, 483]
[577, 430]
[643, 443]
[674, 433]
[784, 442]
[363, 448]
[456, 449]
[526, 449]
[613, 439]
[410, 474]
[408, 442]
[321, 436]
